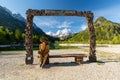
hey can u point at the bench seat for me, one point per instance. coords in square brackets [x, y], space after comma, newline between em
[78, 57]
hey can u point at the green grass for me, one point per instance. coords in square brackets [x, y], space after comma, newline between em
[64, 47]
[16, 49]
[100, 63]
[21, 64]
[37, 48]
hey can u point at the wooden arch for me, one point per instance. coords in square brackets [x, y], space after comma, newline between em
[30, 15]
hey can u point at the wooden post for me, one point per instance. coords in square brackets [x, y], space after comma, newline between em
[92, 55]
[28, 40]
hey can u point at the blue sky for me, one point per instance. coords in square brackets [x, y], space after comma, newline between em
[110, 9]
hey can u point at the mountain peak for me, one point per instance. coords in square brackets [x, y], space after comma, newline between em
[62, 34]
[15, 21]
[18, 16]
[100, 19]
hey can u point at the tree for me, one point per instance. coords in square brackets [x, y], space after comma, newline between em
[18, 35]
[2, 34]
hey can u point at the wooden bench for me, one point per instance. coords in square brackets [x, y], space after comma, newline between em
[78, 57]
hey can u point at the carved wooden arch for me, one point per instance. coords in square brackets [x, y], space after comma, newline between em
[30, 15]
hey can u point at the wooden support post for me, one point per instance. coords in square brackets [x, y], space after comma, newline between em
[92, 55]
[28, 40]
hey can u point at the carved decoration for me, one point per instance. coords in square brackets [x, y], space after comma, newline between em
[30, 15]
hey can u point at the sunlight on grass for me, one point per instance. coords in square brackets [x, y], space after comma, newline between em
[21, 64]
[100, 63]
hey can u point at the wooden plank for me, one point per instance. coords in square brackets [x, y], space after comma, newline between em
[67, 55]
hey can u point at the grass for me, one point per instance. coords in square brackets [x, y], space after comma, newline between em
[21, 64]
[37, 48]
[16, 49]
[64, 47]
[12, 49]
[100, 63]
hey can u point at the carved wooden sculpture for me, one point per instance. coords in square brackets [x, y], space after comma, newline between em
[30, 15]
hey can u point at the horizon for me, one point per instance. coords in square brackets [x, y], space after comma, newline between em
[54, 23]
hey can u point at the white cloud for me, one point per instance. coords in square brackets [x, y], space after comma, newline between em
[64, 24]
[50, 33]
[46, 22]
[83, 27]
[52, 23]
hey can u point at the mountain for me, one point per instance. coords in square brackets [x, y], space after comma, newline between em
[19, 17]
[106, 31]
[15, 21]
[62, 34]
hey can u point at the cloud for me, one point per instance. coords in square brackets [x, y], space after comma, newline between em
[111, 13]
[46, 22]
[50, 33]
[83, 27]
[64, 24]
[52, 23]
[58, 23]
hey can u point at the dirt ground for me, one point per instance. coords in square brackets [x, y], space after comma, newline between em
[13, 67]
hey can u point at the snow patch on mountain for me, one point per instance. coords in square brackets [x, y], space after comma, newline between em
[14, 14]
[18, 16]
[62, 34]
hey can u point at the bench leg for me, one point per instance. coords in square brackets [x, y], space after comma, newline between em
[47, 61]
[78, 60]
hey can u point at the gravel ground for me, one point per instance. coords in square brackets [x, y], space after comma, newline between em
[109, 49]
[12, 67]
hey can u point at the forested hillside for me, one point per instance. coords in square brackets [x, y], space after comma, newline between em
[7, 36]
[107, 32]
[12, 29]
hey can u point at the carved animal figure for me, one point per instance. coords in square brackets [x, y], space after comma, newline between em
[43, 52]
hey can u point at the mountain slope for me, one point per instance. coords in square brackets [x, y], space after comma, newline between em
[15, 21]
[12, 28]
[106, 32]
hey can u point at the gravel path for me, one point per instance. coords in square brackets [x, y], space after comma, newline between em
[12, 67]
[109, 49]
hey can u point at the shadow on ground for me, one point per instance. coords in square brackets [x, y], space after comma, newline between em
[101, 62]
[69, 64]
[61, 64]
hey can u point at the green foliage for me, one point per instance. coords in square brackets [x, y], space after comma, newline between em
[6, 36]
[116, 40]
[12, 30]
[100, 63]
[106, 32]
[9, 37]
[18, 35]
[35, 39]
[63, 47]
[21, 64]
